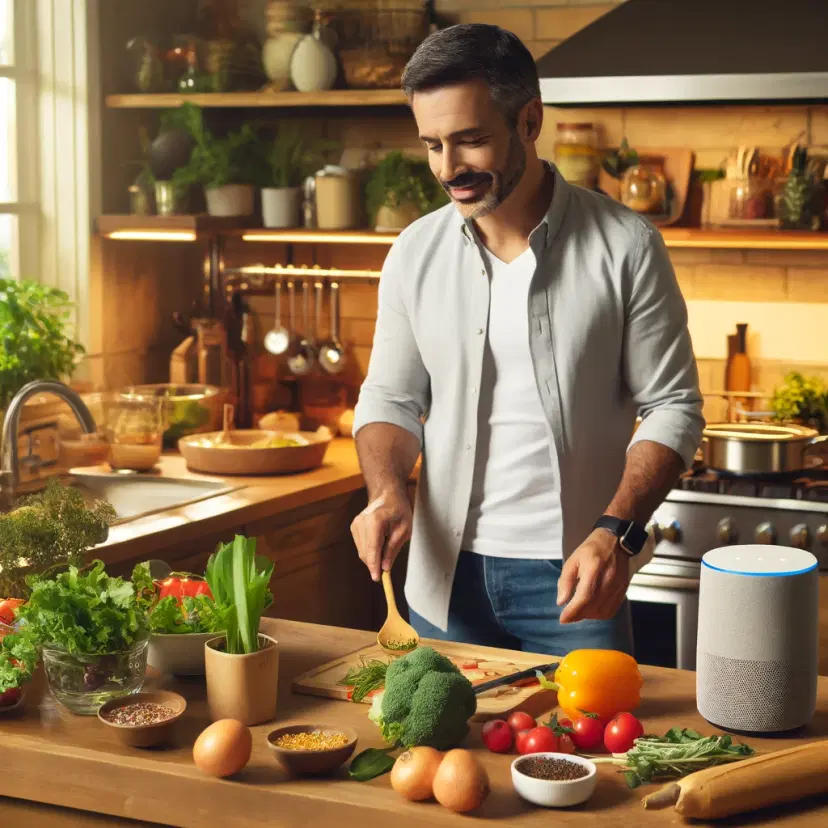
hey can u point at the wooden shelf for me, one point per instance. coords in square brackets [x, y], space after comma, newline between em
[165, 228]
[159, 228]
[713, 239]
[260, 99]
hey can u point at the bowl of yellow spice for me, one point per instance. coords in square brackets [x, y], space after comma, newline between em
[311, 750]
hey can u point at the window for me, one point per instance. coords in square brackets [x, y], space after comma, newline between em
[9, 264]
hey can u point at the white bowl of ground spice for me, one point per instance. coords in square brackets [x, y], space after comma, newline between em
[554, 780]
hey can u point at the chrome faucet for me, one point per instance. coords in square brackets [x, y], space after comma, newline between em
[9, 455]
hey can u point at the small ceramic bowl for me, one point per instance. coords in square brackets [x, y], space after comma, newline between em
[555, 793]
[148, 735]
[311, 762]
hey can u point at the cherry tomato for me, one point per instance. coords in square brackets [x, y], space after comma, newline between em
[621, 733]
[8, 609]
[520, 721]
[541, 740]
[588, 733]
[565, 723]
[520, 740]
[565, 744]
[497, 736]
[9, 697]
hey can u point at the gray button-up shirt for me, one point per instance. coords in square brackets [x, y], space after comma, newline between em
[608, 338]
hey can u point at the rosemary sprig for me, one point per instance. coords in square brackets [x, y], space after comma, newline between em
[368, 676]
[674, 755]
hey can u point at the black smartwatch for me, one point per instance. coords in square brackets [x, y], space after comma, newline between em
[631, 536]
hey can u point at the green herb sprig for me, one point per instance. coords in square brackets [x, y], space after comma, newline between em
[368, 676]
[676, 754]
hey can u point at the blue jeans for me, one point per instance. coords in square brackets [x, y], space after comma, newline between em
[510, 603]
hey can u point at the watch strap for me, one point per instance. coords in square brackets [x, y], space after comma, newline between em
[631, 536]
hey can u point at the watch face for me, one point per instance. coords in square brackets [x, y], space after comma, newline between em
[633, 539]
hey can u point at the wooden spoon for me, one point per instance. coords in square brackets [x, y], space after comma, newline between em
[229, 416]
[396, 636]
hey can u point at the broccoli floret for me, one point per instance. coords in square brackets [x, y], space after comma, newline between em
[427, 701]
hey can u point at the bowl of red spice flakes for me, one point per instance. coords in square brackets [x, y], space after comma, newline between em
[144, 719]
[554, 780]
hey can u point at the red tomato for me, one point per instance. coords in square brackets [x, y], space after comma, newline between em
[520, 740]
[565, 744]
[588, 733]
[565, 723]
[541, 740]
[497, 736]
[621, 732]
[182, 585]
[8, 609]
[520, 721]
[9, 697]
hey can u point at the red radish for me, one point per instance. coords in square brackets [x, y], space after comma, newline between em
[497, 736]
[520, 721]
[621, 733]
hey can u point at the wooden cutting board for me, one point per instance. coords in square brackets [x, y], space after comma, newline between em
[478, 664]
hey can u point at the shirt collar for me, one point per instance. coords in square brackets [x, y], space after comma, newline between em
[549, 225]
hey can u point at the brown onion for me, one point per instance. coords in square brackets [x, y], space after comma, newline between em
[461, 783]
[413, 773]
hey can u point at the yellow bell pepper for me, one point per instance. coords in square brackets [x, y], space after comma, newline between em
[604, 682]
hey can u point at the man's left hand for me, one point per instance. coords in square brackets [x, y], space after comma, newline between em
[594, 579]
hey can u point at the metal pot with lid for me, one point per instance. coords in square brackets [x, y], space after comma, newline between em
[761, 448]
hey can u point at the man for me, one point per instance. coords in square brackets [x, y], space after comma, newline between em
[519, 331]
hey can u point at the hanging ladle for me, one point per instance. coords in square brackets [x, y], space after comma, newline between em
[332, 352]
[301, 362]
[277, 339]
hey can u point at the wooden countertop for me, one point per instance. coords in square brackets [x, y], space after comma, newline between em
[50, 756]
[258, 497]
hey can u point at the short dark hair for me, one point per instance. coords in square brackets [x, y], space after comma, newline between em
[475, 51]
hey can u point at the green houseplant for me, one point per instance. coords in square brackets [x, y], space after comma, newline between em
[35, 338]
[242, 666]
[227, 168]
[290, 159]
[803, 400]
[400, 190]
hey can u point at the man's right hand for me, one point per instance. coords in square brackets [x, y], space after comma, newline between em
[381, 529]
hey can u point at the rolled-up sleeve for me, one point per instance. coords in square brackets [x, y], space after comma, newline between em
[659, 364]
[397, 387]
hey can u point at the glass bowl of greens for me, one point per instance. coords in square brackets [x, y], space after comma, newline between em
[82, 683]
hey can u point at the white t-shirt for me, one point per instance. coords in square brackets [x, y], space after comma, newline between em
[515, 506]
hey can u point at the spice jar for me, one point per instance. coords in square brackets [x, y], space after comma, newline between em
[750, 198]
[336, 199]
[644, 189]
[576, 153]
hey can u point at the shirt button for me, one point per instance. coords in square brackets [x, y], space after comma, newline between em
[474, 390]
[468, 447]
[483, 272]
[457, 533]
[479, 331]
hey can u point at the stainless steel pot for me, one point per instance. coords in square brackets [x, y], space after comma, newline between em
[760, 448]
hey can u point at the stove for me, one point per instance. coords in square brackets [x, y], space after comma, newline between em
[705, 510]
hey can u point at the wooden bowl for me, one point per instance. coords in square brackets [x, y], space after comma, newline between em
[203, 454]
[148, 735]
[311, 762]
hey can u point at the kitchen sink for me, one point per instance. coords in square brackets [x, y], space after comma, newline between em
[134, 495]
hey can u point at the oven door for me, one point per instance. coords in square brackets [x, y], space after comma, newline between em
[665, 613]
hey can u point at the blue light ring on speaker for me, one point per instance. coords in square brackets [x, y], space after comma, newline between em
[810, 568]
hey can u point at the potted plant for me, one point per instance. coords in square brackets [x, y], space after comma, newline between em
[91, 630]
[802, 400]
[242, 666]
[52, 527]
[35, 341]
[400, 190]
[291, 159]
[227, 168]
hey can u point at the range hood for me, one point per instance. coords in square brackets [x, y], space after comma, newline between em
[693, 51]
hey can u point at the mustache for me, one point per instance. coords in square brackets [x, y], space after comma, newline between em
[469, 179]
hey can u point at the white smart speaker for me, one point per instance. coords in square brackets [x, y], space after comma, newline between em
[758, 638]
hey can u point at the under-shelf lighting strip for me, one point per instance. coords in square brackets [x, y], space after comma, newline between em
[320, 237]
[302, 272]
[152, 235]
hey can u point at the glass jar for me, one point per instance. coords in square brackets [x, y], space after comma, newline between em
[644, 189]
[576, 153]
[134, 430]
[82, 683]
[750, 198]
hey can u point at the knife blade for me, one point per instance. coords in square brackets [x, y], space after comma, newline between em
[523, 674]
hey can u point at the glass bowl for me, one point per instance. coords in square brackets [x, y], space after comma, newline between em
[82, 683]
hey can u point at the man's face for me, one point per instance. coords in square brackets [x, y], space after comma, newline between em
[472, 150]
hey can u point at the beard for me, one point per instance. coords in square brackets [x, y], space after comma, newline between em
[501, 183]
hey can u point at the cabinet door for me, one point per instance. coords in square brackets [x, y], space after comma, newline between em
[318, 576]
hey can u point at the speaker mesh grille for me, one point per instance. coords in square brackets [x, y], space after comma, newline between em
[754, 695]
